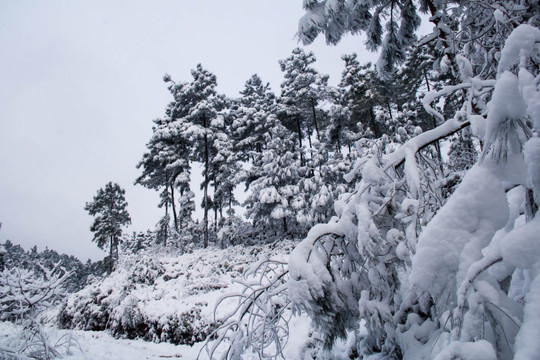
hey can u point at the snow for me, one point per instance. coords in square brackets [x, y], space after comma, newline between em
[269, 196]
[172, 295]
[527, 344]
[528, 88]
[448, 127]
[468, 287]
[479, 350]
[160, 285]
[97, 345]
[478, 125]
[532, 158]
[465, 67]
[520, 44]
[520, 247]
[101, 346]
[411, 172]
[459, 231]
[506, 103]
[499, 16]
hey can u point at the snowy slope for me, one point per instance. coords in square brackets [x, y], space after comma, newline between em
[163, 297]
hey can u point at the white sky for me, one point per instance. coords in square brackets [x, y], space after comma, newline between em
[80, 83]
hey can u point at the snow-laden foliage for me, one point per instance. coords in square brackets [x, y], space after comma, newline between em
[260, 320]
[14, 256]
[352, 268]
[24, 295]
[161, 296]
[334, 18]
[24, 292]
[431, 277]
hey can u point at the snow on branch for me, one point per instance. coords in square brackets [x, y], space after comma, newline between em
[424, 139]
[23, 291]
[259, 320]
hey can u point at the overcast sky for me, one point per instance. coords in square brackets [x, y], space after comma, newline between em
[81, 82]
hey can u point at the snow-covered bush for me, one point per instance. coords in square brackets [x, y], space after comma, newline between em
[128, 304]
[159, 296]
[25, 294]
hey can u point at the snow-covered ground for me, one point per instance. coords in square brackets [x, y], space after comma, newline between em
[99, 345]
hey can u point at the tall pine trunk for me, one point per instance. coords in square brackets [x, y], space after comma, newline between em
[374, 126]
[111, 255]
[215, 217]
[175, 217]
[205, 193]
[315, 119]
[300, 140]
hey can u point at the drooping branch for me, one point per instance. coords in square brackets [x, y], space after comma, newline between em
[423, 140]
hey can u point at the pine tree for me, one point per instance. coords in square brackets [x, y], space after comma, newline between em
[110, 210]
[166, 166]
[225, 169]
[359, 95]
[301, 94]
[401, 255]
[196, 108]
[270, 204]
[251, 118]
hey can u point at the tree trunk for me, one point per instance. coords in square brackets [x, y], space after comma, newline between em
[111, 255]
[166, 235]
[530, 205]
[300, 140]
[284, 225]
[215, 217]
[175, 217]
[389, 110]
[205, 192]
[230, 202]
[373, 126]
[181, 211]
[315, 118]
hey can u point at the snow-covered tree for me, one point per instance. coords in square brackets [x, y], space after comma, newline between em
[225, 168]
[110, 210]
[273, 197]
[359, 96]
[301, 95]
[196, 111]
[251, 118]
[166, 165]
[137, 242]
[430, 276]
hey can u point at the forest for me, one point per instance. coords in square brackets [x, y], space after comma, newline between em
[393, 216]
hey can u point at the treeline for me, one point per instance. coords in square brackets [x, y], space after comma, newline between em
[289, 151]
[14, 256]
